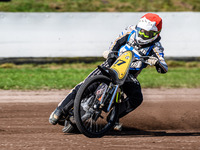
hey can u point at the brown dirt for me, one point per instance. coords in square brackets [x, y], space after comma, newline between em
[167, 119]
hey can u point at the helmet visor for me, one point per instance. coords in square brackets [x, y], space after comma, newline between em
[146, 35]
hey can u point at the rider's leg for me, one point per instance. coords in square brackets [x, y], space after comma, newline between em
[65, 105]
[133, 100]
[134, 97]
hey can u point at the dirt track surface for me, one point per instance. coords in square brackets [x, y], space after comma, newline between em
[167, 119]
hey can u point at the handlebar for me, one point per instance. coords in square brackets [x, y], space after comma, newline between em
[142, 58]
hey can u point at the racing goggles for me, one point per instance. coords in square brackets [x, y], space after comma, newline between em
[145, 35]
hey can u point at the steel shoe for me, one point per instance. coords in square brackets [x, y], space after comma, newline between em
[68, 127]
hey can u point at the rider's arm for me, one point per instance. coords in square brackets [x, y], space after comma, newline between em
[116, 45]
[161, 66]
[121, 39]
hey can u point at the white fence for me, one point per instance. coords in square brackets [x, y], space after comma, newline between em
[89, 34]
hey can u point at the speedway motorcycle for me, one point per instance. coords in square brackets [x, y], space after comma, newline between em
[98, 100]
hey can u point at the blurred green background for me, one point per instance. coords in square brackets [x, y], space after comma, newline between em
[99, 5]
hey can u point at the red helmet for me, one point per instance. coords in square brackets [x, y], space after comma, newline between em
[148, 28]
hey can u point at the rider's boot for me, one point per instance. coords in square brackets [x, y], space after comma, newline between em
[68, 127]
[69, 124]
[124, 110]
[118, 126]
[55, 116]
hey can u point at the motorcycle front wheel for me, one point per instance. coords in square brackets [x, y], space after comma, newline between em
[91, 120]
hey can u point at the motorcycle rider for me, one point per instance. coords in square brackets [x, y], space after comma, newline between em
[144, 38]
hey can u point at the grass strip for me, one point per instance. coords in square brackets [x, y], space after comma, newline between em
[175, 78]
[99, 6]
[66, 76]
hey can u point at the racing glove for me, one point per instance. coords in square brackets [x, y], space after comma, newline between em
[153, 61]
[109, 54]
[105, 54]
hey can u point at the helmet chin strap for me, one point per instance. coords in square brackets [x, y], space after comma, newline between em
[138, 42]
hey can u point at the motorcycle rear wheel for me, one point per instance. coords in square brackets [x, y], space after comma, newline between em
[93, 123]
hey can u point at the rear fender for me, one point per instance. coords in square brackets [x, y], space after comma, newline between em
[119, 70]
[110, 73]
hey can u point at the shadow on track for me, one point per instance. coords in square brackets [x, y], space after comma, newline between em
[138, 132]
[127, 131]
[2, 130]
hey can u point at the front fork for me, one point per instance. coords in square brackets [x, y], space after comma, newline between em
[115, 93]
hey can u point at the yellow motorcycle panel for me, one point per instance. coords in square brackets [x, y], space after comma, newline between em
[122, 64]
